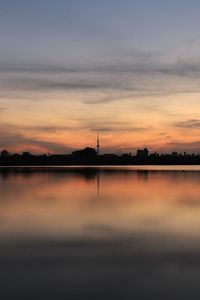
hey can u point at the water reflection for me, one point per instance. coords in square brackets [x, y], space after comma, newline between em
[108, 233]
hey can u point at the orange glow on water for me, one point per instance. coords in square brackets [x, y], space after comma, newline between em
[64, 204]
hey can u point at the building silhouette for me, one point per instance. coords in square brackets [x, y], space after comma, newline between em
[4, 153]
[143, 152]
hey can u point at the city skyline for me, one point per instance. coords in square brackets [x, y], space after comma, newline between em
[129, 70]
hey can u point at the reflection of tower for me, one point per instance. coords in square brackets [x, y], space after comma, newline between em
[98, 144]
[98, 185]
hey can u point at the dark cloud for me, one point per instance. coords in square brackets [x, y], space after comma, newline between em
[12, 137]
[86, 125]
[49, 128]
[103, 100]
[120, 129]
[53, 84]
[188, 124]
[145, 77]
[111, 126]
[38, 69]
[191, 147]
[136, 63]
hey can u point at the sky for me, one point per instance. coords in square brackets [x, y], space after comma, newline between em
[128, 69]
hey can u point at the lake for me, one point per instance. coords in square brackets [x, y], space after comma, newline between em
[100, 232]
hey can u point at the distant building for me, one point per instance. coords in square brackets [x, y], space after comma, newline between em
[174, 153]
[26, 153]
[87, 153]
[143, 152]
[5, 153]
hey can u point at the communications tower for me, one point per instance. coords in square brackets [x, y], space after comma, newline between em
[98, 144]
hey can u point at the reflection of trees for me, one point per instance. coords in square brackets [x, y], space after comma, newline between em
[87, 173]
[143, 175]
[56, 172]
[4, 174]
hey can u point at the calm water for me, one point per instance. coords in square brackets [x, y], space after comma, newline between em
[107, 233]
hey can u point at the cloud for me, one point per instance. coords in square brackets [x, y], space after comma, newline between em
[84, 125]
[119, 128]
[37, 69]
[48, 128]
[12, 138]
[49, 84]
[191, 147]
[132, 77]
[188, 124]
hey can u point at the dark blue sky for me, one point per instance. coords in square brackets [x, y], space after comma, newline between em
[70, 31]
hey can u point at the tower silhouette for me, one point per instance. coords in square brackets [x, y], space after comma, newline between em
[98, 144]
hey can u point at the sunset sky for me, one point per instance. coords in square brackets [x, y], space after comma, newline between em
[128, 69]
